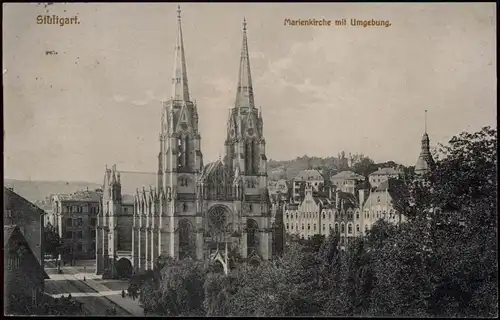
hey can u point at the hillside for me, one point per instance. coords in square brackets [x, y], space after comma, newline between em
[38, 190]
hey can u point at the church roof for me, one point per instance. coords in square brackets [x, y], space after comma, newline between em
[128, 199]
[307, 175]
[131, 180]
[345, 175]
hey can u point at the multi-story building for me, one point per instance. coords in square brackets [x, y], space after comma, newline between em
[75, 219]
[23, 274]
[321, 215]
[28, 218]
[195, 210]
[348, 181]
[278, 187]
[309, 177]
[382, 175]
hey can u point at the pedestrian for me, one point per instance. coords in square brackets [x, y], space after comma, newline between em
[123, 293]
[84, 279]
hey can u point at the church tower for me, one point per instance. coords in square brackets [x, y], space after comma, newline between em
[180, 160]
[245, 144]
[425, 161]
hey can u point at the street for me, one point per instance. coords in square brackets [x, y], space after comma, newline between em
[95, 303]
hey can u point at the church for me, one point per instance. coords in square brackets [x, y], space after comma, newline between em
[191, 210]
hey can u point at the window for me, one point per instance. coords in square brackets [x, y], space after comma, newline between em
[302, 226]
[330, 226]
[79, 222]
[68, 235]
[308, 226]
[336, 227]
[125, 209]
[324, 215]
[287, 215]
[250, 207]
[342, 228]
[14, 263]
[323, 227]
[315, 227]
[349, 228]
[357, 228]
[329, 215]
[287, 226]
[79, 247]
[291, 226]
[69, 222]
[357, 215]
[79, 235]
[93, 234]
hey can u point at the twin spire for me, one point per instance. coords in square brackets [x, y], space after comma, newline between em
[244, 94]
[180, 88]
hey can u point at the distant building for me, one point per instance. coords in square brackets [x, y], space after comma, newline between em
[28, 217]
[75, 218]
[382, 175]
[23, 274]
[306, 177]
[325, 215]
[348, 181]
[380, 205]
[278, 187]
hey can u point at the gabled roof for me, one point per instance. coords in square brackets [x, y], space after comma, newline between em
[11, 196]
[307, 175]
[347, 175]
[11, 230]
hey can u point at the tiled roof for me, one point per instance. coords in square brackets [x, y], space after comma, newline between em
[84, 195]
[131, 181]
[344, 175]
[385, 171]
[310, 174]
[323, 201]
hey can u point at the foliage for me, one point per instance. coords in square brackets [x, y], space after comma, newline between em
[432, 265]
[52, 241]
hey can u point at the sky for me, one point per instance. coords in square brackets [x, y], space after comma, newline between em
[321, 89]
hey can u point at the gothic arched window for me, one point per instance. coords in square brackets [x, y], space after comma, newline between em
[336, 227]
[186, 240]
[342, 228]
[217, 218]
[252, 228]
[349, 228]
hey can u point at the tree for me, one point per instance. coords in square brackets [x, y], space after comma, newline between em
[365, 167]
[52, 241]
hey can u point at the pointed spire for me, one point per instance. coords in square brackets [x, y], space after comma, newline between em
[425, 122]
[180, 89]
[244, 94]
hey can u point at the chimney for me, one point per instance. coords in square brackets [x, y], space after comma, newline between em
[361, 198]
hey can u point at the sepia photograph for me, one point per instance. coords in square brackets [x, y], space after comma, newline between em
[200, 159]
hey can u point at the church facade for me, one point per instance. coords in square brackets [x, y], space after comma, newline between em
[221, 210]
